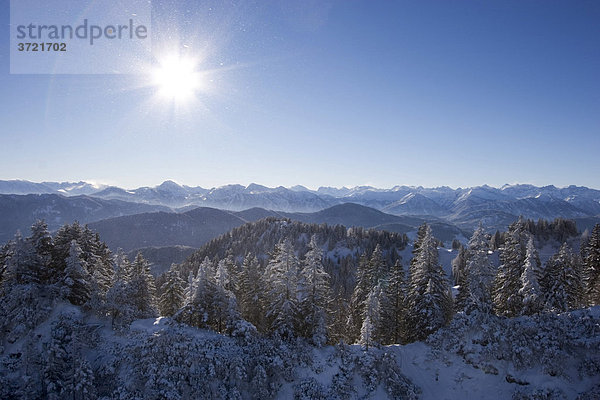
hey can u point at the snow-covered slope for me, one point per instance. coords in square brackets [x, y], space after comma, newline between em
[544, 357]
[64, 188]
[415, 204]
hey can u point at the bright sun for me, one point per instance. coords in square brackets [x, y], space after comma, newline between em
[177, 78]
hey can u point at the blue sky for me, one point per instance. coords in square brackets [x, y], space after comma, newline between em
[318, 93]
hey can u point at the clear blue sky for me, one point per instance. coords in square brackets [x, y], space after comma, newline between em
[318, 93]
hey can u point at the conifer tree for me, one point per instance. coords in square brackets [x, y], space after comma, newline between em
[250, 288]
[370, 328]
[21, 268]
[281, 278]
[62, 245]
[201, 290]
[224, 304]
[84, 385]
[496, 241]
[76, 286]
[172, 296]
[144, 291]
[479, 274]
[102, 269]
[459, 273]
[393, 306]
[429, 297]
[120, 296]
[506, 297]
[41, 243]
[592, 267]
[315, 295]
[530, 291]
[562, 283]
[417, 245]
[378, 268]
[362, 288]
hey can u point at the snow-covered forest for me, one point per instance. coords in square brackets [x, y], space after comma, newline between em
[282, 309]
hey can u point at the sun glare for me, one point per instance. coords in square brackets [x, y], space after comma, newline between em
[176, 78]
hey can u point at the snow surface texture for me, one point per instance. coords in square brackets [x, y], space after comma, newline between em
[475, 357]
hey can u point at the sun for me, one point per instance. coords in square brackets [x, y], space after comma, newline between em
[177, 78]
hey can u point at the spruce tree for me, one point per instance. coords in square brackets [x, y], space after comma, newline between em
[315, 295]
[506, 297]
[281, 278]
[371, 325]
[530, 291]
[198, 309]
[62, 245]
[562, 283]
[592, 267]
[362, 288]
[378, 268]
[224, 304]
[144, 291]
[421, 231]
[76, 286]
[429, 297]
[21, 266]
[393, 306]
[479, 274]
[250, 289]
[369, 273]
[459, 273]
[42, 244]
[172, 296]
[120, 301]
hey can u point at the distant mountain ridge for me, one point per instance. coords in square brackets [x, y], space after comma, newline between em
[196, 227]
[455, 211]
[451, 204]
[19, 212]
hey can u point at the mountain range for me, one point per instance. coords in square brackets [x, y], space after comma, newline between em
[453, 204]
[196, 227]
[171, 214]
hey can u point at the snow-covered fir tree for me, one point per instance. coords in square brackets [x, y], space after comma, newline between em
[530, 291]
[20, 266]
[592, 267]
[479, 274]
[198, 308]
[429, 296]
[281, 280]
[102, 268]
[459, 274]
[42, 244]
[172, 294]
[562, 283]
[393, 306]
[62, 245]
[76, 284]
[224, 301]
[421, 231]
[67, 374]
[144, 291]
[371, 325]
[369, 272]
[506, 297]
[133, 294]
[315, 295]
[362, 288]
[378, 268]
[119, 297]
[250, 289]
